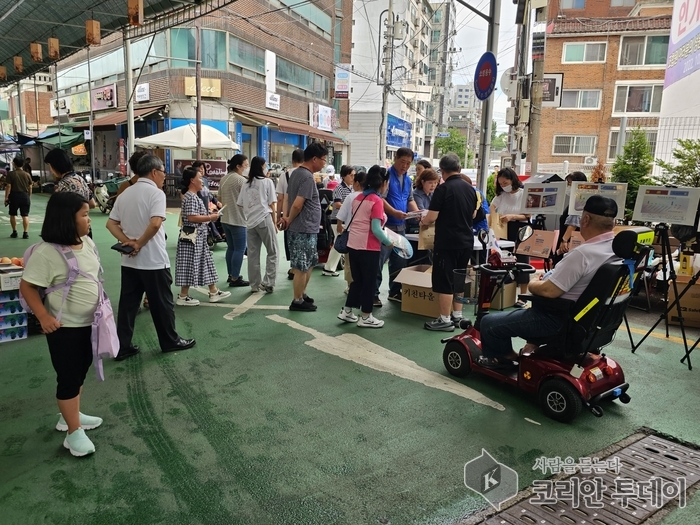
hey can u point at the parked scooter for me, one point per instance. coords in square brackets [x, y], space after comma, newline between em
[102, 198]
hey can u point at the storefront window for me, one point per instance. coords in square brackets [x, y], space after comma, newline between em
[213, 49]
[281, 147]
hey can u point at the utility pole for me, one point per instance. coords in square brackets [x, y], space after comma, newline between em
[92, 131]
[388, 66]
[19, 108]
[129, 84]
[536, 97]
[487, 106]
[198, 87]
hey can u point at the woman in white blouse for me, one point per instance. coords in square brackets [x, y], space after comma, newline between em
[507, 203]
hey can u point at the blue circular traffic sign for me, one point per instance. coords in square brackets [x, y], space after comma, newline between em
[485, 76]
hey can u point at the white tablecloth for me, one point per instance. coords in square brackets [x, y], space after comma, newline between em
[477, 245]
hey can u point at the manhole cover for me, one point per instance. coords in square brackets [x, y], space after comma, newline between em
[624, 489]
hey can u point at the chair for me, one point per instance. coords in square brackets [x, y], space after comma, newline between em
[591, 322]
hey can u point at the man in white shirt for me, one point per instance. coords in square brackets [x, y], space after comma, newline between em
[568, 281]
[136, 221]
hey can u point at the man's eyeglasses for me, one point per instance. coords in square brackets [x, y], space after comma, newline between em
[160, 169]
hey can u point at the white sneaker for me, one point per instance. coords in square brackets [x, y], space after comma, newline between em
[187, 301]
[78, 443]
[86, 422]
[346, 316]
[370, 322]
[218, 296]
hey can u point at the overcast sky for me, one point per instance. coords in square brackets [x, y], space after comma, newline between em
[471, 37]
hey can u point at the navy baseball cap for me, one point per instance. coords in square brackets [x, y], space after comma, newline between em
[598, 205]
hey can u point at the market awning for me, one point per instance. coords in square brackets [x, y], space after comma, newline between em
[288, 126]
[63, 140]
[111, 121]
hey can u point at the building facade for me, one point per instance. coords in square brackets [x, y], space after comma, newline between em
[465, 114]
[268, 78]
[418, 103]
[613, 63]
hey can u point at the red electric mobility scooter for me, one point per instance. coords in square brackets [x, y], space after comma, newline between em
[568, 370]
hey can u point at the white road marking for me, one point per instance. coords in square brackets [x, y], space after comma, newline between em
[532, 421]
[354, 348]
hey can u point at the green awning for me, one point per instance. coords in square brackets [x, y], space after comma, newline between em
[65, 140]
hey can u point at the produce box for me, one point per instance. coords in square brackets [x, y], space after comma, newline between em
[13, 334]
[417, 296]
[11, 307]
[12, 320]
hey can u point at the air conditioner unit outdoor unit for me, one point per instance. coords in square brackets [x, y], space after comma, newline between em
[590, 161]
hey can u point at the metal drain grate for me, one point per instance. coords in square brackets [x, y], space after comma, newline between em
[653, 473]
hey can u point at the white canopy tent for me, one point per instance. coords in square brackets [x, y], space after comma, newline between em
[185, 137]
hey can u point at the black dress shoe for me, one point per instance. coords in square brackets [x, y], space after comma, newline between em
[182, 344]
[123, 354]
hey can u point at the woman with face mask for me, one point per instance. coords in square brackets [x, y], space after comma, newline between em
[568, 224]
[507, 203]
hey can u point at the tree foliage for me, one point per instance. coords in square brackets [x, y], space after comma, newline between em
[455, 143]
[685, 171]
[491, 187]
[633, 167]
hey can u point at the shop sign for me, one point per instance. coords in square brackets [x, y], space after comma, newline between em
[104, 97]
[321, 117]
[80, 149]
[214, 170]
[342, 81]
[398, 132]
[143, 93]
[272, 101]
[211, 87]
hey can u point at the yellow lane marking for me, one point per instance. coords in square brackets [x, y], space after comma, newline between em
[657, 335]
[354, 348]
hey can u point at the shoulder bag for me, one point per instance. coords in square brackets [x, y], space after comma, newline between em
[341, 241]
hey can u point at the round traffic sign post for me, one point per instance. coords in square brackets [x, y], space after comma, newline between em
[485, 76]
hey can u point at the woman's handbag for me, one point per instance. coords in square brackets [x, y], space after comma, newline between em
[188, 234]
[341, 241]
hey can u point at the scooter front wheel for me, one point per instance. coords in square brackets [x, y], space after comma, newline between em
[456, 359]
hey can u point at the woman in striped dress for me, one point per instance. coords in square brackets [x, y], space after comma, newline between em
[194, 265]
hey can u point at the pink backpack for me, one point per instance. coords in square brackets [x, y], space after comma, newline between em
[105, 343]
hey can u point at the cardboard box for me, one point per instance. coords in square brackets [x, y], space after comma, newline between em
[426, 237]
[10, 276]
[11, 307]
[10, 295]
[690, 303]
[501, 230]
[12, 320]
[13, 334]
[505, 297]
[417, 296]
[538, 245]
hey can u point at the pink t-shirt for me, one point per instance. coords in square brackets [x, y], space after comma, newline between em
[361, 236]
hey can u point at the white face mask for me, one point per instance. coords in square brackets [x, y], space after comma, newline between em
[507, 189]
[246, 171]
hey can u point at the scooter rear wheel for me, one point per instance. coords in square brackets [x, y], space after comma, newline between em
[456, 359]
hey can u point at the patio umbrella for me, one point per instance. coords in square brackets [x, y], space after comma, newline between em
[184, 137]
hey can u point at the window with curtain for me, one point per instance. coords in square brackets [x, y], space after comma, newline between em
[580, 98]
[584, 52]
[638, 99]
[213, 49]
[183, 46]
[246, 55]
[644, 50]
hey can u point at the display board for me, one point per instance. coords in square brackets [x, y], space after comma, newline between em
[546, 198]
[580, 191]
[670, 205]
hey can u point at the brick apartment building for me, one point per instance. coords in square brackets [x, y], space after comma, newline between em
[613, 57]
[263, 64]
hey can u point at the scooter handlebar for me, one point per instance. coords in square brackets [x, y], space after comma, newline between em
[525, 268]
[518, 268]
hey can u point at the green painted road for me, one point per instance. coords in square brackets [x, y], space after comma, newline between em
[294, 418]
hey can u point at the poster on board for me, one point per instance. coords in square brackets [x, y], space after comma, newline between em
[670, 205]
[546, 198]
[580, 191]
